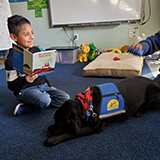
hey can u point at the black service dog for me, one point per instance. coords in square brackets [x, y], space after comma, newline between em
[73, 120]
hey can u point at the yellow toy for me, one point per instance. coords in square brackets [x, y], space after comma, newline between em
[114, 50]
[83, 56]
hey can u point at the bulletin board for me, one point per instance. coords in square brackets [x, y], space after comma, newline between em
[5, 12]
[94, 12]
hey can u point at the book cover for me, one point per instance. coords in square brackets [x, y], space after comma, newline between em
[40, 63]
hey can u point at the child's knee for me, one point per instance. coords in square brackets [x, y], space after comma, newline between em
[43, 102]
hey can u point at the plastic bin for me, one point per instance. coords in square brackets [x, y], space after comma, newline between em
[66, 54]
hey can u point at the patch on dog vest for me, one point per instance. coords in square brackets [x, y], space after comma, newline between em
[112, 101]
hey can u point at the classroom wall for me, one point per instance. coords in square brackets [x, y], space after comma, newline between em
[104, 37]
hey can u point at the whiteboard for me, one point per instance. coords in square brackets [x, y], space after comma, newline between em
[67, 12]
[5, 12]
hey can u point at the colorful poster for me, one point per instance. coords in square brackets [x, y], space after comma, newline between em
[133, 32]
[5, 12]
[37, 5]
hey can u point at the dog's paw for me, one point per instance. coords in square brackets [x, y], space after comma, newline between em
[47, 144]
[52, 141]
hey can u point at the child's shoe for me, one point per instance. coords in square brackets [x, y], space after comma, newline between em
[19, 109]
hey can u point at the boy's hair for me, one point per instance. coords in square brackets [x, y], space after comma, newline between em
[15, 22]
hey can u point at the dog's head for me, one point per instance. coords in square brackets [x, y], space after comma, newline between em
[70, 111]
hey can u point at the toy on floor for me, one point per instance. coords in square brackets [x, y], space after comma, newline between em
[124, 49]
[83, 56]
[114, 50]
[93, 51]
[99, 51]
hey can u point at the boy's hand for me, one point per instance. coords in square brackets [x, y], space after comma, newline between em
[137, 46]
[136, 49]
[31, 77]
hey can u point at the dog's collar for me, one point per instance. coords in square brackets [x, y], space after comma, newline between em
[86, 98]
[90, 112]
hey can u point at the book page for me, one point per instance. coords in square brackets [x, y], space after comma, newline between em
[44, 62]
[22, 60]
[28, 62]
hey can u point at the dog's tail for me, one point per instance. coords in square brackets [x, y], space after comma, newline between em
[157, 79]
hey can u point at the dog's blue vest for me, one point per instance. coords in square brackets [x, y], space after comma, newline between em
[112, 101]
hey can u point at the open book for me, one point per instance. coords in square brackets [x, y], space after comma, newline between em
[40, 63]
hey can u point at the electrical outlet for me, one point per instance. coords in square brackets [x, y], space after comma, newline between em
[76, 36]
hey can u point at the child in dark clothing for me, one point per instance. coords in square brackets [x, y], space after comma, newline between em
[146, 47]
[34, 92]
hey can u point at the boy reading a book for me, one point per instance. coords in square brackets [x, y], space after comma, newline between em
[33, 92]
